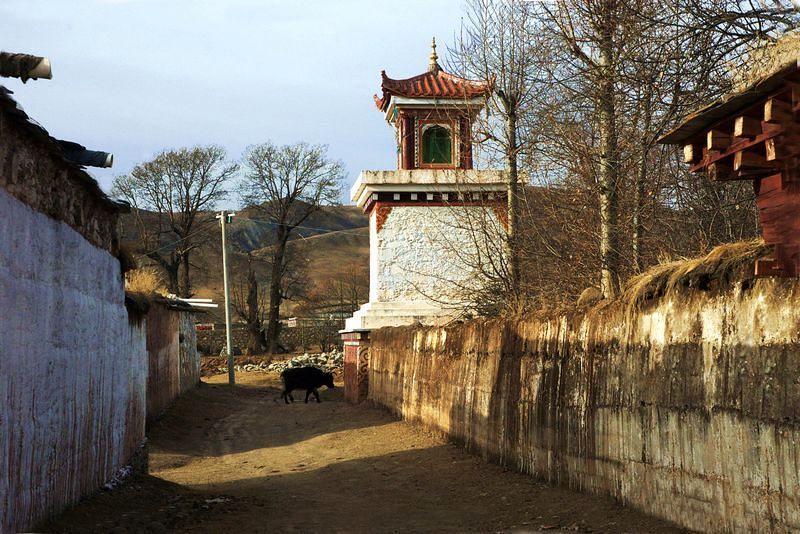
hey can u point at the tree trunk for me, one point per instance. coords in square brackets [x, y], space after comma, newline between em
[641, 176]
[171, 268]
[172, 277]
[185, 285]
[255, 336]
[512, 188]
[638, 206]
[609, 255]
[273, 319]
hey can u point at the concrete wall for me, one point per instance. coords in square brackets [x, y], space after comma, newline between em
[174, 365]
[689, 409]
[72, 367]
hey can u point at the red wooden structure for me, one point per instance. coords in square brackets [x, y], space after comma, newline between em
[754, 135]
[432, 100]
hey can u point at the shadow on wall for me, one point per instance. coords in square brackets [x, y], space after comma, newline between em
[687, 408]
[540, 405]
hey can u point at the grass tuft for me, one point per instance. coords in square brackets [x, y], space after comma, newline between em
[145, 281]
[723, 265]
[589, 297]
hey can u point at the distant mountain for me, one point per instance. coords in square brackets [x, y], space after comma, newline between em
[332, 242]
[334, 253]
[250, 231]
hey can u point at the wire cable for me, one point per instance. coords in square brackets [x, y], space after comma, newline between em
[207, 230]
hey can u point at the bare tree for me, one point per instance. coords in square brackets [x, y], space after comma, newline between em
[249, 301]
[629, 70]
[690, 52]
[324, 307]
[338, 296]
[177, 186]
[497, 41]
[601, 81]
[286, 184]
[587, 37]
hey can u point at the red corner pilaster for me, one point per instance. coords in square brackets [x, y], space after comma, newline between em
[356, 366]
[406, 142]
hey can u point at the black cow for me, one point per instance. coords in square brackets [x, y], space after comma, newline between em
[308, 378]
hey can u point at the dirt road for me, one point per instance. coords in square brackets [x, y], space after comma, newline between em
[240, 460]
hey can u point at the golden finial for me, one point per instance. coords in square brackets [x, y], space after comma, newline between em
[433, 66]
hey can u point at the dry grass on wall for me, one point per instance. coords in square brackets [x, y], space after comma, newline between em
[145, 281]
[724, 265]
[142, 286]
[767, 59]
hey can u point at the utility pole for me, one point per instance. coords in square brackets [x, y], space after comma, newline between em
[224, 219]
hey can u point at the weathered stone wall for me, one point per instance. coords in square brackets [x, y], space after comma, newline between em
[211, 342]
[429, 254]
[688, 409]
[174, 365]
[32, 173]
[73, 367]
[189, 357]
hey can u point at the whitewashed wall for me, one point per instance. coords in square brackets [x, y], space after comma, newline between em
[430, 253]
[73, 370]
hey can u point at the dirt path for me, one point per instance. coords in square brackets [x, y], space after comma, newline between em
[241, 461]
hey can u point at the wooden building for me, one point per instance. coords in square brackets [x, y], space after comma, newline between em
[754, 135]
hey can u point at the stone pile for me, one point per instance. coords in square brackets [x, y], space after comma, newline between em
[327, 361]
[119, 477]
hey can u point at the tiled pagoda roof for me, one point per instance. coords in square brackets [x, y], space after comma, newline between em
[432, 84]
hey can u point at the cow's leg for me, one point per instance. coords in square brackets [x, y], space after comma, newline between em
[308, 393]
[316, 394]
[285, 396]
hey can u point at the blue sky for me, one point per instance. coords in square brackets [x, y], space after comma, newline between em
[135, 76]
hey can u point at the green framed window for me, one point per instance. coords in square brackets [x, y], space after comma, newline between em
[437, 145]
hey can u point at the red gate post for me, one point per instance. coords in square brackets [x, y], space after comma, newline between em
[356, 365]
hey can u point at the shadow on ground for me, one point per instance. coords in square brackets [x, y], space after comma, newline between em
[435, 489]
[236, 459]
[143, 504]
[215, 419]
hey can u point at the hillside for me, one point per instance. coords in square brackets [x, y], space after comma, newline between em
[250, 231]
[335, 253]
[333, 242]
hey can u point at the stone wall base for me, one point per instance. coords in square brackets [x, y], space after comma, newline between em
[374, 315]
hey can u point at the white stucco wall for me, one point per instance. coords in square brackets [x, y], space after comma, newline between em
[431, 253]
[73, 370]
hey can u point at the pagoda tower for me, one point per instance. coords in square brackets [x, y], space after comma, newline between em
[418, 240]
[432, 115]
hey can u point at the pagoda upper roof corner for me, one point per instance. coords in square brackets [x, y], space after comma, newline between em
[435, 83]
